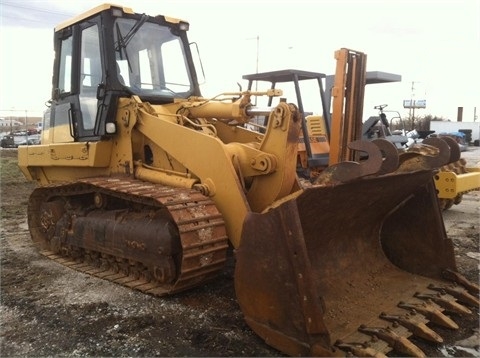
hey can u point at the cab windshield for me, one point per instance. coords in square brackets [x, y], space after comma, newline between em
[151, 60]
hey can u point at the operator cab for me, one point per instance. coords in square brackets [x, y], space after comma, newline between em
[111, 52]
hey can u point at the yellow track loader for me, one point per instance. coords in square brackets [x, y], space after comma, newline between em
[144, 182]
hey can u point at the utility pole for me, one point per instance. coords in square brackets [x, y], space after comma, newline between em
[257, 38]
[26, 127]
[412, 105]
[258, 58]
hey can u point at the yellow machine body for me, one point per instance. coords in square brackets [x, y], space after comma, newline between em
[450, 184]
[144, 182]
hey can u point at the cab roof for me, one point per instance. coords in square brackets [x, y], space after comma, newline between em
[101, 8]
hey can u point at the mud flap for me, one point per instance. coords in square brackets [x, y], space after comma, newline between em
[315, 269]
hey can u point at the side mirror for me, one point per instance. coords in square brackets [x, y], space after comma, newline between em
[101, 91]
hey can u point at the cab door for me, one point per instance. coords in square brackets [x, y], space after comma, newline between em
[64, 101]
[77, 75]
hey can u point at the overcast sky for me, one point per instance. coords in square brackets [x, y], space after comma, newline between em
[433, 45]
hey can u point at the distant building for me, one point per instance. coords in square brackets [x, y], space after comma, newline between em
[10, 122]
[448, 126]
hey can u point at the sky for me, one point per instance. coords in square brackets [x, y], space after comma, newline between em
[433, 44]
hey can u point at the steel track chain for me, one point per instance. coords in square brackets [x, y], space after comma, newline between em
[200, 225]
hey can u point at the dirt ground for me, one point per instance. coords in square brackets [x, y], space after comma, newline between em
[49, 310]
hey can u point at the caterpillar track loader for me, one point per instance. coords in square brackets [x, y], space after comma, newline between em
[144, 182]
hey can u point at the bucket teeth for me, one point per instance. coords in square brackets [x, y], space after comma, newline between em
[454, 276]
[417, 327]
[458, 292]
[397, 342]
[359, 349]
[448, 305]
[431, 312]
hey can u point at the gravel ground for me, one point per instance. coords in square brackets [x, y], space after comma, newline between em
[49, 310]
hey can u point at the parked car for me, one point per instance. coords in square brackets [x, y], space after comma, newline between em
[8, 141]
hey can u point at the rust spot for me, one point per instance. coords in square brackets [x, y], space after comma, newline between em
[135, 245]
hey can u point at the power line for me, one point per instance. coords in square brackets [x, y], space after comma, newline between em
[24, 15]
[29, 20]
[36, 9]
